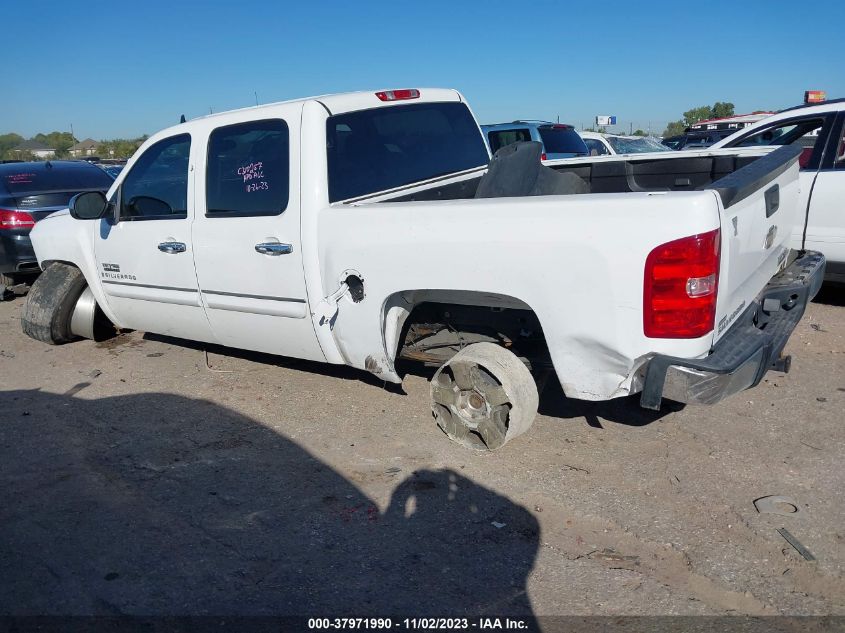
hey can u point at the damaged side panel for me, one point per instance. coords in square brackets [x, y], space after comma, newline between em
[583, 286]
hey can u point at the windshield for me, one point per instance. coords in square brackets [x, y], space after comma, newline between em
[635, 145]
[379, 149]
[562, 140]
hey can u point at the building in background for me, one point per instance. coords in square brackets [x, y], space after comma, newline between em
[88, 147]
[35, 148]
[732, 123]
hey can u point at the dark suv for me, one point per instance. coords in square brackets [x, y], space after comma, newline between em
[695, 139]
[28, 193]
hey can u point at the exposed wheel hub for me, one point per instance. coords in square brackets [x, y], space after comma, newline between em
[476, 397]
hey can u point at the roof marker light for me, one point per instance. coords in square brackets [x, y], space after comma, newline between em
[815, 96]
[398, 95]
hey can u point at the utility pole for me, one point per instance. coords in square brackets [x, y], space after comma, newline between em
[256, 96]
[631, 133]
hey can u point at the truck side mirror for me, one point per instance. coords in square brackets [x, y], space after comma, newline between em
[89, 205]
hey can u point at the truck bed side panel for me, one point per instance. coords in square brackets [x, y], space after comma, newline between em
[577, 261]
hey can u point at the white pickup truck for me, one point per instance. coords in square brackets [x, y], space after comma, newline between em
[366, 228]
[819, 130]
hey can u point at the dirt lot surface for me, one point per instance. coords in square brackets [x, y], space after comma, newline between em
[137, 480]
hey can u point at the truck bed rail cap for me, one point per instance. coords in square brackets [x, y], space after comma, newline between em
[743, 182]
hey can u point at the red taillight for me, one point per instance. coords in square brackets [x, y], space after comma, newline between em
[543, 156]
[679, 293]
[398, 95]
[804, 157]
[15, 220]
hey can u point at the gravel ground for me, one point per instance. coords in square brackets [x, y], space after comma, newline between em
[139, 479]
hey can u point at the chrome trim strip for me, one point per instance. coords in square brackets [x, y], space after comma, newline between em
[244, 296]
[126, 283]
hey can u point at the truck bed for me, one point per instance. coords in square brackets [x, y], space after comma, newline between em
[588, 251]
[664, 171]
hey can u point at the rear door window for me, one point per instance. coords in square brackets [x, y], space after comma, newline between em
[801, 132]
[596, 147]
[503, 138]
[248, 169]
[374, 150]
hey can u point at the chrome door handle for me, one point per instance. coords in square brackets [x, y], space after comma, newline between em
[172, 247]
[273, 248]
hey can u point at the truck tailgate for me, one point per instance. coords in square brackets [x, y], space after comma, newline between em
[758, 207]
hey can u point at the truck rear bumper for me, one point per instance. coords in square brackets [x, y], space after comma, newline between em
[750, 348]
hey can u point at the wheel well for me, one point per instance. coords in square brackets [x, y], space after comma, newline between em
[430, 326]
[102, 326]
[48, 262]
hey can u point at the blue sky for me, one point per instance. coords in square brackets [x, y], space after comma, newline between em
[115, 69]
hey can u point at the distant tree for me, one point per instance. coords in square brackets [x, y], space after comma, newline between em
[59, 141]
[7, 142]
[718, 110]
[722, 110]
[119, 147]
[639, 132]
[674, 128]
[697, 114]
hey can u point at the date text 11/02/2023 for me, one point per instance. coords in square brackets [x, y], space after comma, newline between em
[447, 624]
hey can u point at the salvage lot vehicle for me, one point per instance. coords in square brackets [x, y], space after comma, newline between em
[613, 144]
[558, 140]
[28, 193]
[695, 140]
[819, 130]
[364, 227]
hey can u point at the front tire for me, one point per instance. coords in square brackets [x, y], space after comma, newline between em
[50, 303]
[483, 397]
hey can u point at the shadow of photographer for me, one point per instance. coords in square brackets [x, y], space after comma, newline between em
[157, 504]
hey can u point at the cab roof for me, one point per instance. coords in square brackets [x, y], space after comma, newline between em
[338, 103]
[343, 102]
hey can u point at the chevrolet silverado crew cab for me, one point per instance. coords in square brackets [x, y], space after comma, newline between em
[371, 228]
[819, 130]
